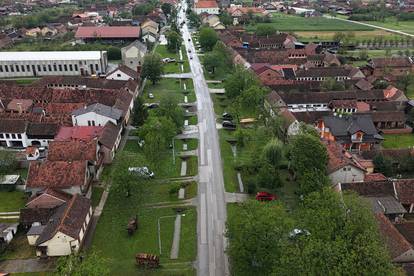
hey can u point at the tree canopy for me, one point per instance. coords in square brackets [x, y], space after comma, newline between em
[208, 38]
[342, 238]
[76, 265]
[173, 41]
[153, 67]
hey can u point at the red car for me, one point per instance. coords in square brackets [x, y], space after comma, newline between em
[264, 196]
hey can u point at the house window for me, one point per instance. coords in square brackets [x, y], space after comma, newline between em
[70, 67]
[22, 66]
[97, 67]
[118, 75]
[19, 136]
[13, 136]
[7, 135]
[6, 68]
[28, 68]
[54, 67]
[11, 68]
[66, 67]
[1, 135]
[1, 68]
[39, 68]
[76, 67]
[44, 68]
[60, 67]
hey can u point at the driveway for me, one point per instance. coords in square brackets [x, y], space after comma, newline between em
[27, 265]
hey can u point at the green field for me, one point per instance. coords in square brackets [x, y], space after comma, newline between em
[169, 86]
[229, 173]
[11, 201]
[283, 22]
[398, 141]
[393, 23]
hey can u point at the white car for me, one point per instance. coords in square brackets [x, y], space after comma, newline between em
[151, 96]
[142, 171]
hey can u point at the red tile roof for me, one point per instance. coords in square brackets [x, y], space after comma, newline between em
[405, 190]
[374, 177]
[396, 243]
[203, 4]
[49, 198]
[85, 133]
[56, 174]
[339, 158]
[108, 32]
[72, 150]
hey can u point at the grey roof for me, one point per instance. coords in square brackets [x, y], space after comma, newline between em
[340, 126]
[387, 205]
[100, 109]
[36, 230]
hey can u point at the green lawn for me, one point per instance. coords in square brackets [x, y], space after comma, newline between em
[220, 103]
[229, 173]
[112, 241]
[192, 144]
[11, 201]
[173, 67]
[393, 23]
[171, 87]
[192, 120]
[96, 195]
[392, 141]
[284, 22]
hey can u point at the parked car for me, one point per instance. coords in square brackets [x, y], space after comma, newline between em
[229, 125]
[151, 96]
[189, 50]
[189, 39]
[265, 196]
[298, 232]
[142, 171]
[227, 116]
[191, 57]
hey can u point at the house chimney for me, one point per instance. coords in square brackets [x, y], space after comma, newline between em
[19, 106]
[139, 69]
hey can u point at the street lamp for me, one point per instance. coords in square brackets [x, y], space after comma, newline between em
[159, 229]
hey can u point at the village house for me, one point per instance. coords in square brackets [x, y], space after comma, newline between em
[206, 6]
[78, 150]
[324, 73]
[113, 34]
[150, 30]
[381, 195]
[72, 177]
[123, 73]
[133, 54]
[400, 250]
[213, 21]
[238, 12]
[342, 167]
[65, 231]
[40, 207]
[96, 115]
[353, 132]
[7, 233]
[390, 68]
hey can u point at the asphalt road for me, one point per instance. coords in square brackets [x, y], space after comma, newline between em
[211, 207]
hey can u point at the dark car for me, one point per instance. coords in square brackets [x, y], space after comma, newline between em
[227, 116]
[189, 39]
[265, 196]
[189, 51]
[229, 125]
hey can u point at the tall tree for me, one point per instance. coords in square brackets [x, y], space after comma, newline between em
[140, 113]
[212, 60]
[257, 238]
[153, 67]
[208, 38]
[305, 150]
[173, 41]
[273, 152]
[265, 30]
[166, 8]
[239, 81]
[169, 108]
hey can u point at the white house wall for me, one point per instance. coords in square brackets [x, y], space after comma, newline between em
[347, 174]
[99, 120]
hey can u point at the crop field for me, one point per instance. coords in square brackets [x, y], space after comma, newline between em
[283, 22]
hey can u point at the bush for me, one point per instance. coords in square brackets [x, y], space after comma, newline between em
[174, 190]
